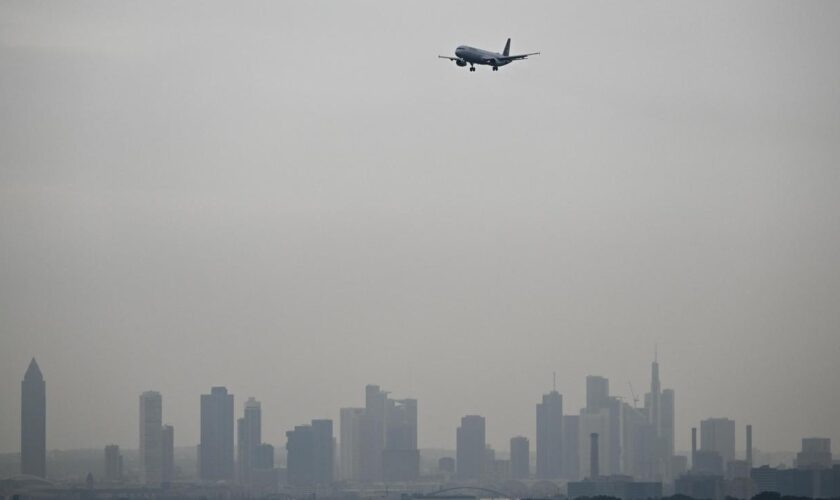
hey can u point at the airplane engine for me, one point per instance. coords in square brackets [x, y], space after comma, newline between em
[461, 63]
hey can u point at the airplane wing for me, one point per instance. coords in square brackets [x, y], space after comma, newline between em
[516, 57]
[450, 58]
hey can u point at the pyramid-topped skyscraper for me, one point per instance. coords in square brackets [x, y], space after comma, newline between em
[33, 422]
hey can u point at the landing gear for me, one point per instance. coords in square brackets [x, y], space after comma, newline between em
[495, 68]
[472, 68]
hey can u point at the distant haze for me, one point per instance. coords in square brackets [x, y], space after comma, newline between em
[296, 199]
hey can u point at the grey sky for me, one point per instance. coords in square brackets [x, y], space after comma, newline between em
[296, 199]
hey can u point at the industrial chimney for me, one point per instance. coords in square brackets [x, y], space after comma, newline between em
[749, 445]
[593, 455]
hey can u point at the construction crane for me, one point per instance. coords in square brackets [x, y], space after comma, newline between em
[635, 398]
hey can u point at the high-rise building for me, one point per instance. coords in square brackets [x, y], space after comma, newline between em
[550, 436]
[151, 445]
[520, 458]
[667, 424]
[379, 441]
[815, 454]
[216, 448]
[309, 454]
[249, 429]
[264, 457]
[33, 422]
[659, 405]
[350, 445]
[401, 458]
[324, 452]
[571, 443]
[598, 401]
[597, 392]
[446, 465]
[470, 447]
[113, 463]
[300, 456]
[595, 422]
[372, 438]
[167, 463]
[718, 435]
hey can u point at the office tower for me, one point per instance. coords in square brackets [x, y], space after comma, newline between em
[309, 454]
[655, 410]
[379, 441]
[718, 435]
[660, 407]
[571, 454]
[401, 458]
[216, 448]
[667, 423]
[167, 441]
[151, 446]
[598, 401]
[520, 457]
[300, 456]
[470, 447]
[550, 436]
[595, 422]
[264, 457]
[446, 465]
[249, 429]
[113, 463]
[749, 445]
[33, 422]
[373, 434]
[597, 392]
[815, 454]
[350, 445]
[693, 446]
[324, 450]
[638, 445]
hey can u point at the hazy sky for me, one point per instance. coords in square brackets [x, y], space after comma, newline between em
[297, 199]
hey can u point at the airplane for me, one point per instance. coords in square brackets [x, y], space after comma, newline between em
[470, 55]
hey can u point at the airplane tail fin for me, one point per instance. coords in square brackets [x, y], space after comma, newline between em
[507, 48]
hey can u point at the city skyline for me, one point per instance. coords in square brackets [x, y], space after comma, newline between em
[194, 198]
[717, 434]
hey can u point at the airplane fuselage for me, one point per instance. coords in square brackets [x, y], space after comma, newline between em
[473, 55]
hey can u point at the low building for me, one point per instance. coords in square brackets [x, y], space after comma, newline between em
[622, 487]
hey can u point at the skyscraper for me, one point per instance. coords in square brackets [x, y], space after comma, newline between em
[151, 446]
[597, 393]
[350, 446]
[113, 463]
[33, 422]
[300, 456]
[167, 462]
[249, 437]
[373, 434]
[309, 454]
[216, 448]
[470, 447]
[401, 458]
[324, 450]
[550, 436]
[660, 408]
[718, 435]
[599, 406]
[571, 442]
[520, 458]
